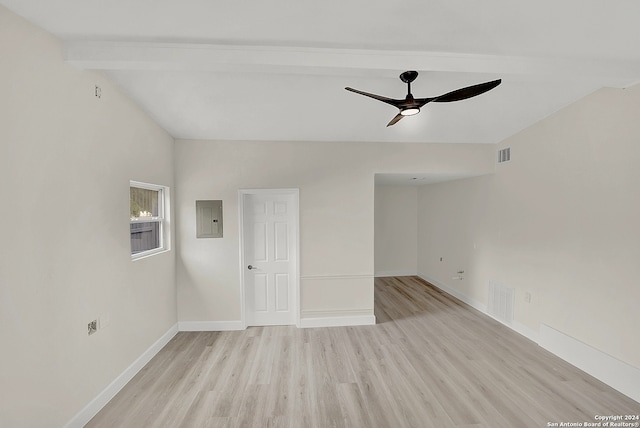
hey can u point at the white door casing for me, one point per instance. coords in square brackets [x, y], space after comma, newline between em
[269, 256]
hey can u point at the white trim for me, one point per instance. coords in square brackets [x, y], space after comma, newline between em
[334, 277]
[525, 331]
[386, 273]
[515, 326]
[455, 293]
[295, 192]
[615, 373]
[210, 325]
[95, 405]
[243, 315]
[143, 185]
[163, 218]
[147, 254]
[337, 318]
[150, 55]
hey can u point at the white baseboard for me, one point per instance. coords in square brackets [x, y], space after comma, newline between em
[385, 273]
[516, 326]
[615, 373]
[312, 319]
[525, 331]
[210, 325]
[95, 405]
[455, 293]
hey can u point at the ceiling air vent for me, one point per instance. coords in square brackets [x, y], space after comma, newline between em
[504, 155]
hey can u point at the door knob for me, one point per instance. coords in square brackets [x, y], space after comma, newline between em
[251, 267]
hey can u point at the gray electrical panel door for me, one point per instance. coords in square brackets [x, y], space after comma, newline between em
[208, 219]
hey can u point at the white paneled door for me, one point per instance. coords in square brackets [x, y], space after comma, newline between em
[269, 252]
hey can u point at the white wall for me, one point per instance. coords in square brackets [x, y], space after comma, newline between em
[336, 182]
[559, 221]
[396, 230]
[66, 158]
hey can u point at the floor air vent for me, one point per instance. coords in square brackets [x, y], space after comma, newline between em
[501, 301]
[504, 155]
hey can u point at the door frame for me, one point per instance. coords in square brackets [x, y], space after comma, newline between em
[296, 248]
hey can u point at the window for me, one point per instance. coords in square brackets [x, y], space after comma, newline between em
[148, 203]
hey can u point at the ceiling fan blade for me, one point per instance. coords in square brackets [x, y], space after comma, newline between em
[395, 120]
[391, 101]
[420, 102]
[464, 93]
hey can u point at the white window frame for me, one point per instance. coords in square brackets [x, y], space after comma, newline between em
[162, 219]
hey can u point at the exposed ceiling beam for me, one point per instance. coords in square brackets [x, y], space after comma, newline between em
[308, 60]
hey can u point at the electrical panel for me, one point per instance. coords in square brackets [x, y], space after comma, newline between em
[209, 219]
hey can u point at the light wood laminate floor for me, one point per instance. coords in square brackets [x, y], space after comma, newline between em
[430, 361]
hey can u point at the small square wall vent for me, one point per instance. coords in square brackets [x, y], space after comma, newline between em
[504, 155]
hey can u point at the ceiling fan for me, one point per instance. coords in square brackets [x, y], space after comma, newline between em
[410, 106]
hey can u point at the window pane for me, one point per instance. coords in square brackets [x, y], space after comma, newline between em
[143, 202]
[145, 236]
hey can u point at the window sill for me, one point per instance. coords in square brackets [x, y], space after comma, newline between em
[147, 254]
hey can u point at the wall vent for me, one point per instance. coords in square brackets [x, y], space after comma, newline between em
[501, 302]
[504, 155]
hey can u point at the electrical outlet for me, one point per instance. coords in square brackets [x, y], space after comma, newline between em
[92, 327]
[527, 297]
[98, 92]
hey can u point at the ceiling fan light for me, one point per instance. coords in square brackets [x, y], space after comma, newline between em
[410, 111]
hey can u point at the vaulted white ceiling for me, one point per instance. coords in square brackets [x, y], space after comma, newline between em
[276, 70]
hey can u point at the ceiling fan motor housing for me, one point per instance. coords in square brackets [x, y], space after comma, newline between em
[409, 76]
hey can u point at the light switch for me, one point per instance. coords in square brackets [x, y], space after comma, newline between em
[209, 219]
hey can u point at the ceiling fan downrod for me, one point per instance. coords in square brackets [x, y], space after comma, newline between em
[408, 77]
